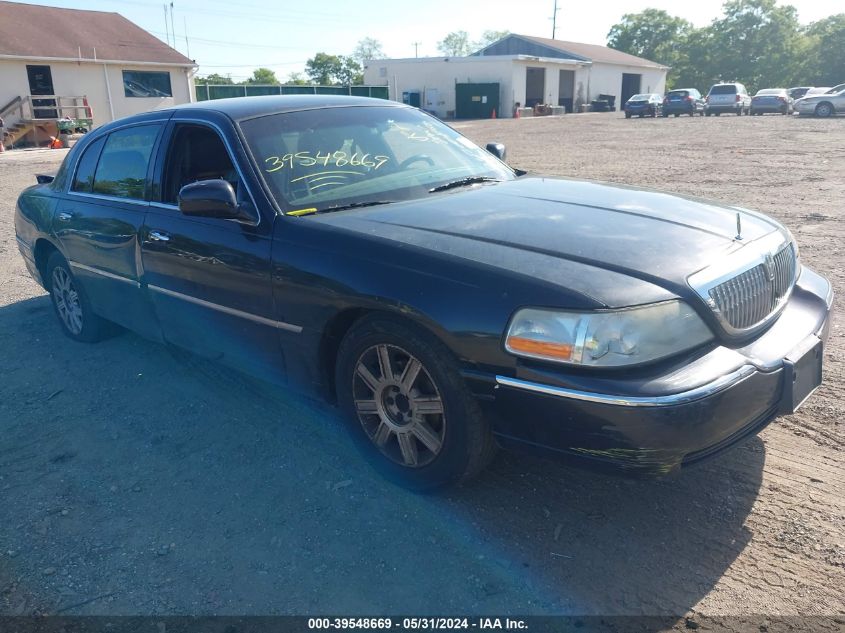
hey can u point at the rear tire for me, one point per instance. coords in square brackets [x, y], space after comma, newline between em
[73, 309]
[824, 110]
[627, 115]
[407, 407]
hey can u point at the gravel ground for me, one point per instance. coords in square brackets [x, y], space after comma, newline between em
[135, 479]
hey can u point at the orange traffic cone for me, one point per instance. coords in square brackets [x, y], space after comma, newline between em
[55, 143]
[493, 116]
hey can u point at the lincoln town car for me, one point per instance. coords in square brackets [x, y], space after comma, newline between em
[365, 253]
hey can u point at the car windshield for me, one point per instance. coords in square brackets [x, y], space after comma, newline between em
[725, 89]
[338, 157]
[836, 89]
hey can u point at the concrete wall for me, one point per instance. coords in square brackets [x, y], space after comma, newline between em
[425, 74]
[607, 79]
[89, 79]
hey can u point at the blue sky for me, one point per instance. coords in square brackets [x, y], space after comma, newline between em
[235, 36]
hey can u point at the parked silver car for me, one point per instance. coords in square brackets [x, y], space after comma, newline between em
[727, 97]
[823, 105]
[771, 100]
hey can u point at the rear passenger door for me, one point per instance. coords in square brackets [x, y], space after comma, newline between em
[209, 278]
[97, 223]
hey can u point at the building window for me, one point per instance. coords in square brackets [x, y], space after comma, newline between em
[137, 83]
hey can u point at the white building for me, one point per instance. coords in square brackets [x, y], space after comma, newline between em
[516, 69]
[54, 62]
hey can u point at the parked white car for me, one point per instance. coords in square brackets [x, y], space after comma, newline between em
[823, 105]
[727, 97]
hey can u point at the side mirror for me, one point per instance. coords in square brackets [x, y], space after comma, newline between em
[212, 199]
[498, 150]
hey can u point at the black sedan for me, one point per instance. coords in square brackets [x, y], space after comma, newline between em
[364, 252]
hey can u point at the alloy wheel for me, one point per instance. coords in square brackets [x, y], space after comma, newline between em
[66, 298]
[399, 405]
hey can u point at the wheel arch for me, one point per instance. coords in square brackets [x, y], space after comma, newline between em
[42, 251]
[342, 322]
[827, 103]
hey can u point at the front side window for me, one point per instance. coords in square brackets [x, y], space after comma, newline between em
[196, 153]
[142, 83]
[122, 169]
[83, 181]
[338, 156]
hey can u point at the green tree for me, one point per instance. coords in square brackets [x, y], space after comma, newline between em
[214, 79]
[655, 35]
[758, 42]
[488, 37]
[368, 48]
[824, 52]
[262, 76]
[296, 79]
[323, 68]
[350, 72]
[455, 44]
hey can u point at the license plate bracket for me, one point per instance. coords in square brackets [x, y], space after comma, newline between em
[802, 373]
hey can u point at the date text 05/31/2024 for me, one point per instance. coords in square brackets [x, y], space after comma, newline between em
[431, 623]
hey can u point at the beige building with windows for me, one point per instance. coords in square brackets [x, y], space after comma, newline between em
[88, 67]
[517, 69]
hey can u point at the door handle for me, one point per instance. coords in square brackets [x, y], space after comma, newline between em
[159, 236]
[64, 216]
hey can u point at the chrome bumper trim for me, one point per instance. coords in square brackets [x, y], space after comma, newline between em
[281, 325]
[683, 397]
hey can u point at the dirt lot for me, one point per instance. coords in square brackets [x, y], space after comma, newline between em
[139, 480]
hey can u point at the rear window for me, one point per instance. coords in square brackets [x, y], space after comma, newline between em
[122, 168]
[726, 89]
[679, 93]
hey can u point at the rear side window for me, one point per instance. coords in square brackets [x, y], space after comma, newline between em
[727, 89]
[122, 169]
[83, 181]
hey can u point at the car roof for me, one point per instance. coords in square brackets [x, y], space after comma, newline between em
[241, 108]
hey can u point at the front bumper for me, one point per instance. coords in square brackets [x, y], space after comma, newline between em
[652, 424]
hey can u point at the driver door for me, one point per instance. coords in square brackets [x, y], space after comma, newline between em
[209, 278]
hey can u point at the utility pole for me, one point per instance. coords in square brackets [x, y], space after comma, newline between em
[416, 48]
[166, 25]
[187, 43]
[554, 21]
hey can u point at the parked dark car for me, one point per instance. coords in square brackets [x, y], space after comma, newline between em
[775, 100]
[364, 252]
[643, 105]
[683, 101]
[798, 92]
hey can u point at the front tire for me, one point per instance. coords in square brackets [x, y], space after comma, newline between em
[407, 407]
[73, 309]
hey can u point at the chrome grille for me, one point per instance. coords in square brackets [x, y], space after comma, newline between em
[748, 298]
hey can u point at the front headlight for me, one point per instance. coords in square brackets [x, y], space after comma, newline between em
[606, 339]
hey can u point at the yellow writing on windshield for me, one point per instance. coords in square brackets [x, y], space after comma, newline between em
[334, 159]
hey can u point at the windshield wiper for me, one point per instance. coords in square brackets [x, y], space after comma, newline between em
[340, 207]
[463, 182]
[355, 205]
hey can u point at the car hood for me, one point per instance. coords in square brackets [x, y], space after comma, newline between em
[657, 237]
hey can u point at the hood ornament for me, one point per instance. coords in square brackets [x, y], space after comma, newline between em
[738, 226]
